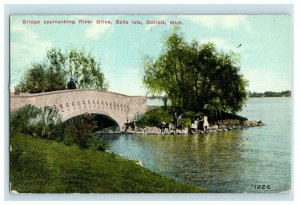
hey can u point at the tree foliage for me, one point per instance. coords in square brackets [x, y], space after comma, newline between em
[196, 76]
[54, 73]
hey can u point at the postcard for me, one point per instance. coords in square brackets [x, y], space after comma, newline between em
[150, 104]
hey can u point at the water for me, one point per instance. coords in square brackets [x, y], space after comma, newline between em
[234, 161]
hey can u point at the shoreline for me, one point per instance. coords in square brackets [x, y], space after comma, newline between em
[220, 126]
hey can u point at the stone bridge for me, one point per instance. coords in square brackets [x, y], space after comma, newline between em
[71, 103]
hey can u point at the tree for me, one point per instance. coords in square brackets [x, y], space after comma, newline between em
[85, 69]
[35, 79]
[196, 77]
[54, 73]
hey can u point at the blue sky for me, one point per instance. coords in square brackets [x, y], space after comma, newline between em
[265, 51]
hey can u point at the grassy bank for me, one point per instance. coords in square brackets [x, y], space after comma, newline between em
[44, 166]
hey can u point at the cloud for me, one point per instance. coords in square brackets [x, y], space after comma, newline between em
[26, 47]
[226, 45]
[26, 32]
[213, 21]
[118, 79]
[220, 43]
[263, 79]
[26, 42]
[95, 31]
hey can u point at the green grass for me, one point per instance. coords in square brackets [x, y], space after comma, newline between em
[45, 166]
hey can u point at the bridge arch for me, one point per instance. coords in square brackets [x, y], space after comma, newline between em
[99, 112]
[71, 103]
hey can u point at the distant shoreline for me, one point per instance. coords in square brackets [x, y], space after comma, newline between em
[270, 97]
[286, 93]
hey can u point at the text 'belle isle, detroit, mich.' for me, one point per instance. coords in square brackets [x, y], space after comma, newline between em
[101, 22]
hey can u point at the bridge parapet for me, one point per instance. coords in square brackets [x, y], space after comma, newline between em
[71, 103]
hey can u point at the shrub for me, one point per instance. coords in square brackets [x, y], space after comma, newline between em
[24, 119]
[154, 117]
[43, 122]
[80, 130]
[49, 124]
[46, 123]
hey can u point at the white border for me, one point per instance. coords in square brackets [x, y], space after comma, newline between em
[258, 8]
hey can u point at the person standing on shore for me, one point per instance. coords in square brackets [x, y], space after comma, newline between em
[174, 119]
[179, 122]
[205, 122]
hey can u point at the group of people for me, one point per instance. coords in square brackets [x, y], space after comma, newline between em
[195, 124]
[174, 125]
[177, 124]
[131, 124]
[196, 121]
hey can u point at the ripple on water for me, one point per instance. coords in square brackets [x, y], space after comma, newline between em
[233, 161]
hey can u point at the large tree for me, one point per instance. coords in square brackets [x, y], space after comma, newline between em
[196, 76]
[55, 72]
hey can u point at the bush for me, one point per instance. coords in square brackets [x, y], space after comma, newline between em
[43, 122]
[46, 123]
[24, 119]
[154, 117]
[50, 124]
[80, 130]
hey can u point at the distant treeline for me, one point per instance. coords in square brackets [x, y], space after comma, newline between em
[286, 93]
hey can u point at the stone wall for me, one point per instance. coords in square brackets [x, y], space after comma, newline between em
[72, 103]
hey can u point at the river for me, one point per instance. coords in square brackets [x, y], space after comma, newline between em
[252, 160]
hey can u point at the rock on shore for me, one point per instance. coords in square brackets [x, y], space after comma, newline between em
[220, 126]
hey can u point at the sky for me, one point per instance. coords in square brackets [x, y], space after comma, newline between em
[265, 51]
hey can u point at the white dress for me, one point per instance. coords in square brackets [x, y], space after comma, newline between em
[205, 121]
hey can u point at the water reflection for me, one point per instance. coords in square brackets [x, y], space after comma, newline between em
[232, 161]
[200, 160]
